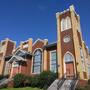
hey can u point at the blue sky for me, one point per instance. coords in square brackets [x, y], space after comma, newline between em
[23, 19]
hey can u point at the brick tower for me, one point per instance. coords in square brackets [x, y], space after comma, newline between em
[70, 45]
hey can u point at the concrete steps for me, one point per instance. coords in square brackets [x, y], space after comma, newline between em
[65, 85]
[5, 81]
[53, 86]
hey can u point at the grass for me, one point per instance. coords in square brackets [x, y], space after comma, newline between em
[84, 88]
[27, 88]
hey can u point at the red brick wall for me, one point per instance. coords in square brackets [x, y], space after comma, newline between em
[38, 44]
[15, 70]
[82, 82]
[67, 46]
[23, 69]
[29, 67]
[85, 75]
[10, 47]
[48, 63]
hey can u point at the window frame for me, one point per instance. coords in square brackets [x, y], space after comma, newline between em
[52, 60]
[40, 62]
[66, 23]
[70, 55]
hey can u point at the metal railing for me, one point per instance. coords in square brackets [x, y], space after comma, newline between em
[60, 82]
[73, 83]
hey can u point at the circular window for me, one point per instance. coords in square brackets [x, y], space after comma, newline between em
[66, 39]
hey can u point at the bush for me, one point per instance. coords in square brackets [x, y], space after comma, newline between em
[32, 81]
[46, 78]
[43, 80]
[83, 88]
[1, 77]
[19, 80]
[89, 81]
[3, 86]
[35, 81]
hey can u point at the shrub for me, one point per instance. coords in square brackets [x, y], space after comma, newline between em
[89, 81]
[4, 76]
[1, 77]
[83, 88]
[19, 80]
[3, 86]
[41, 81]
[34, 81]
[28, 81]
[46, 78]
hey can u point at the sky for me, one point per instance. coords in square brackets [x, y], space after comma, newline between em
[23, 19]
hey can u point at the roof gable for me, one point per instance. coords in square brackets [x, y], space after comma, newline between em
[16, 58]
[38, 40]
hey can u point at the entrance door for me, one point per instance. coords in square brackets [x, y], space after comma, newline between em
[70, 69]
[69, 64]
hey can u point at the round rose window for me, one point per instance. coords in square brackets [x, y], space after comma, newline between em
[66, 39]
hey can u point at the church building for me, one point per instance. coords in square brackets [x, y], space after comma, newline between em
[68, 56]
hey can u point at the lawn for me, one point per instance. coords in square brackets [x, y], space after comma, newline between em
[27, 88]
[84, 88]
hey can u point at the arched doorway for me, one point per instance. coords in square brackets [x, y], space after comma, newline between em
[68, 65]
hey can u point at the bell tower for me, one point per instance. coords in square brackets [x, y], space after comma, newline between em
[69, 42]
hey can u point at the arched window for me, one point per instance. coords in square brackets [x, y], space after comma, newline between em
[63, 24]
[68, 57]
[68, 23]
[37, 61]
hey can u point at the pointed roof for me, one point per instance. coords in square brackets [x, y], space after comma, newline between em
[37, 41]
[20, 55]
[16, 58]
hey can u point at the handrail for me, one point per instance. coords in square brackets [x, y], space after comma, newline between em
[2, 80]
[74, 80]
[60, 82]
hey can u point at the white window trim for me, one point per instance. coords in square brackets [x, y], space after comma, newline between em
[51, 58]
[69, 53]
[25, 46]
[66, 27]
[63, 24]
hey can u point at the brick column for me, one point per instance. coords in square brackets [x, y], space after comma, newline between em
[59, 55]
[30, 43]
[45, 54]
